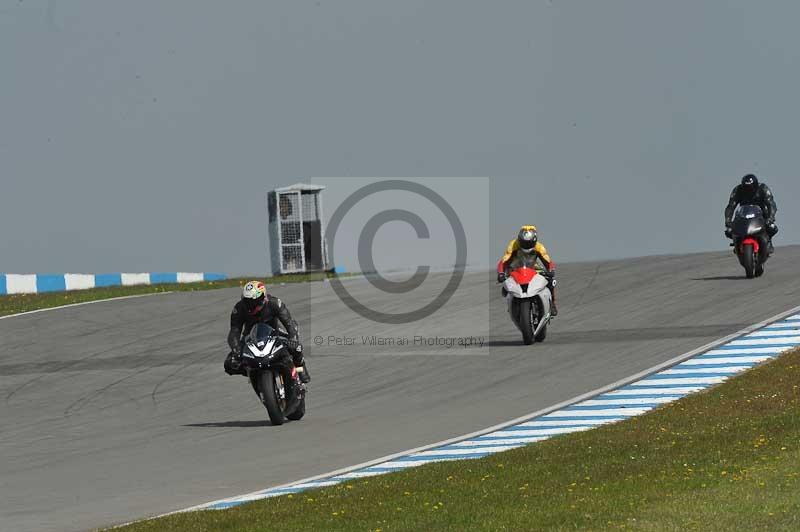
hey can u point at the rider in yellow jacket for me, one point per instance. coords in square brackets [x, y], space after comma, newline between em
[527, 242]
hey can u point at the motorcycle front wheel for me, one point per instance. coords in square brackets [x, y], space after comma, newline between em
[270, 383]
[526, 321]
[749, 261]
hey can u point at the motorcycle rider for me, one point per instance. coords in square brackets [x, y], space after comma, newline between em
[256, 306]
[527, 242]
[751, 192]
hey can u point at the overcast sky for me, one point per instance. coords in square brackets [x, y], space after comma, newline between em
[142, 136]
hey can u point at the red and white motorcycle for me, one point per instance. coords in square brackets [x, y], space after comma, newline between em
[529, 299]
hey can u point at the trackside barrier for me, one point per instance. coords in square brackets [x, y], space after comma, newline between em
[11, 283]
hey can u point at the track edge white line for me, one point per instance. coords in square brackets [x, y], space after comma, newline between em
[82, 303]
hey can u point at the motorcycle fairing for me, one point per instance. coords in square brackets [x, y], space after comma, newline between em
[749, 241]
[263, 348]
[534, 287]
[748, 221]
[523, 276]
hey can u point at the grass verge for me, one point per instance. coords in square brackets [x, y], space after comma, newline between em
[16, 303]
[725, 459]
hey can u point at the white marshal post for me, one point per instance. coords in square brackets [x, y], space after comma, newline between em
[296, 229]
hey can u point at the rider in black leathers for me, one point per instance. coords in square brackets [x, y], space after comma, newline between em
[256, 306]
[751, 192]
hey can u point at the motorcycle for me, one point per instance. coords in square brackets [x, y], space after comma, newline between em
[267, 363]
[529, 299]
[750, 239]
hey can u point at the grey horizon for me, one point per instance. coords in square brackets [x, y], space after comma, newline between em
[144, 136]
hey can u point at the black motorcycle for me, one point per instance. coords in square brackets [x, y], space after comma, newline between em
[750, 239]
[267, 363]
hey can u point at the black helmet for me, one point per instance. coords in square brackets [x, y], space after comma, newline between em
[750, 183]
[527, 238]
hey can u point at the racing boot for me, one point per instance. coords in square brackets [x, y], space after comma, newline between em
[300, 363]
[772, 230]
[302, 368]
[553, 306]
[302, 372]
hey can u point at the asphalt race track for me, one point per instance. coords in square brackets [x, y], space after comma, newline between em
[119, 410]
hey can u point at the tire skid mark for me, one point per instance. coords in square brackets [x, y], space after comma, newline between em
[79, 403]
[64, 366]
[588, 286]
[136, 399]
[173, 373]
[85, 399]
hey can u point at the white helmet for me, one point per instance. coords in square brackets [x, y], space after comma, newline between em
[253, 294]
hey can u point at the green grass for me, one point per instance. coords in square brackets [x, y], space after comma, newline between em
[725, 459]
[16, 303]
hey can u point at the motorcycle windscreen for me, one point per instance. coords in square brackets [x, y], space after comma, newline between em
[259, 333]
[523, 260]
[748, 220]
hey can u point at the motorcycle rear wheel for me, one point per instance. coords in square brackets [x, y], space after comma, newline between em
[542, 335]
[299, 412]
[543, 332]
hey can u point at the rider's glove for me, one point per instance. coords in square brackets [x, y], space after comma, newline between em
[772, 229]
[294, 345]
[232, 363]
[501, 277]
